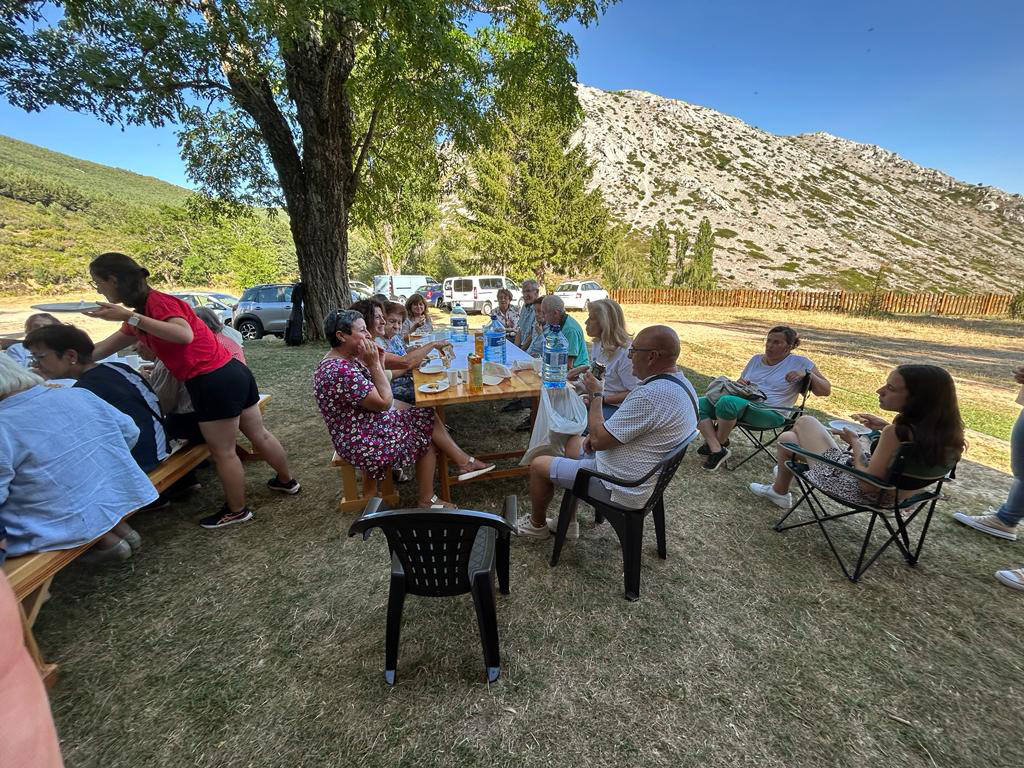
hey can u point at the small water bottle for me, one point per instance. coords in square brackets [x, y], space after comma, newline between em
[494, 341]
[460, 324]
[555, 358]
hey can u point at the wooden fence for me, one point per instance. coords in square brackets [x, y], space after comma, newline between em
[988, 304]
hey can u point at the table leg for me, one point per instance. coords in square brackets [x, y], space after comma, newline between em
[442, 464]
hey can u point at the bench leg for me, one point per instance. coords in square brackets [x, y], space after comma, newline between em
[29, 610]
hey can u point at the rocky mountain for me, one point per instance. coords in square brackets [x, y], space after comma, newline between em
[811, 211]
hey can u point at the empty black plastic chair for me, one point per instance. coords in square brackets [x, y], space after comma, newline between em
[628, 523]
[438, 553]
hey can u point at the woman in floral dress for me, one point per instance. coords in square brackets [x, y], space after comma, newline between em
[368, 427]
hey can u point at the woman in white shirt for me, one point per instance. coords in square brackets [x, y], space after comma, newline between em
[606, 325]
[779, 374]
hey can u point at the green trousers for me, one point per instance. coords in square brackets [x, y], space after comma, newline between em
[732, 408]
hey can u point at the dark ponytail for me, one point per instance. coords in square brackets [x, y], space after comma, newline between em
[130, 277]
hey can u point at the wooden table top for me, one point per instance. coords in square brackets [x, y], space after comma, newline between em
[521, 384]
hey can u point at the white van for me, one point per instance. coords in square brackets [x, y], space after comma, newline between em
[399, 287]
[479, 293]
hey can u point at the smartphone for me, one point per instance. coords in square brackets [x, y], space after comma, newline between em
[598, 370]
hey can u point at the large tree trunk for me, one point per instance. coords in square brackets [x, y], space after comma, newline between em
[320, 232]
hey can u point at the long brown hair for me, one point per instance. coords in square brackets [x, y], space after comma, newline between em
[129, 276]
[931, 415]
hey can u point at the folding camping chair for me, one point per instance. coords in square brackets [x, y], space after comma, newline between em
[905, 474]
[756, 435]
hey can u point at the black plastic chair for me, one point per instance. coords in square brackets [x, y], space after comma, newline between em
[628, 523]
[439, 553]
[895, 519]
[756, 435]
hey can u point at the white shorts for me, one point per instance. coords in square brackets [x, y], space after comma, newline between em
[563, 475]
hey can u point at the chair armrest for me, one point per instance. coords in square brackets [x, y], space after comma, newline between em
[583, 475]
[371, 508]
[863, 476]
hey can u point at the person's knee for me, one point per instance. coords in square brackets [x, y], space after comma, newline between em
[705, 410]
[540, 468]
[729, 407]
[804, 422]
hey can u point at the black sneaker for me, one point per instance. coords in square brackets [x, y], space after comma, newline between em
[292, 486]
[705, 451]
[226, 517]
[715, 460]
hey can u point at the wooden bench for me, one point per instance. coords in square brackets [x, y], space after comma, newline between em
[352, 500]
[30, 575]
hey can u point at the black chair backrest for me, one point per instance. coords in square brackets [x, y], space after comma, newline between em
[909, 473]
[669, 465]
[433, 546]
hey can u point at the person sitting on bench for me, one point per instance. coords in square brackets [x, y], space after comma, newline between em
[67, 475]
[652, 420]
[65, 352]
[778, 373]
[924, 398]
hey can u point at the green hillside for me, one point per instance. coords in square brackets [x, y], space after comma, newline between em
[57, 212]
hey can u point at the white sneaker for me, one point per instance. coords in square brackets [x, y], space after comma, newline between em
[574, 528]
[989, 524]
[784, 500]
[1013, 579]
[527, 529]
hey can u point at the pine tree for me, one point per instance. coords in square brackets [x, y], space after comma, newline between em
[701, 275]
[682, 248]
[659, 250]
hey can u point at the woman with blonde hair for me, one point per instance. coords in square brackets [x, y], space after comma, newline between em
[606, 325]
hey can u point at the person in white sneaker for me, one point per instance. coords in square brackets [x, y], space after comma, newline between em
[1012, 578]
[1002, 523]
[924, 398]
[652, 420]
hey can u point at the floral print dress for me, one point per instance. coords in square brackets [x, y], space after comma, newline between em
[370, 440]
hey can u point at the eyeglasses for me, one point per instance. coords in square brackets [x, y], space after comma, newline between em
[343, 316]
[631, 350]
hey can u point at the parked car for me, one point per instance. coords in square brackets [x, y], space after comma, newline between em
[198, 299]
[479, 293]
[579, 294]
[359, 285]
[433, 293]
[399, 287]
[265, 309]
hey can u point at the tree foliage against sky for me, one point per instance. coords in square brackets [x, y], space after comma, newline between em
[296, 102]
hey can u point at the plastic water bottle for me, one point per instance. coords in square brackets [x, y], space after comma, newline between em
[460, 324]
[555, 358]
[494, 341]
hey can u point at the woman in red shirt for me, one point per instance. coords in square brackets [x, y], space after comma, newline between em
[223, 390]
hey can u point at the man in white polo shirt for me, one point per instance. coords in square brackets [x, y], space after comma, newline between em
[652, 420]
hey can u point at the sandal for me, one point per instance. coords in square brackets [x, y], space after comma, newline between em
[470, 474]
[436, 503]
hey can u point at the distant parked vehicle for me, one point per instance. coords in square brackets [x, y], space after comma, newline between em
[198, 299]
[579, 294]
[479, 293]
[433, 293]
[399, 287]
[359, 285]
[265, 309]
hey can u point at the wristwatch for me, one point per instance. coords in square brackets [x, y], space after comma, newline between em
[134, 320]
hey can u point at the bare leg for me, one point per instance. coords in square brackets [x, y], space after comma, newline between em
[541, 489]
[707, 429]
[725, 428]
[809, 434]
[251, 424]
[425, 476]
[220, 438]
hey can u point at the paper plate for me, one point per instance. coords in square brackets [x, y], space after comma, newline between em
[67, 306]
[433, 367]
[493, 381]
[839, 425]
[433, 387]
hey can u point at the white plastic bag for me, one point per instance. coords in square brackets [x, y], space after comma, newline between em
[560, 415]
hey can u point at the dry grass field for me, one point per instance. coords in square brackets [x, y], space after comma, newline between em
[262, 644]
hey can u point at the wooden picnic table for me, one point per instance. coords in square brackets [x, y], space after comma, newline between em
[522, 384]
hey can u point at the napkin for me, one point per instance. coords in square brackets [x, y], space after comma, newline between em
[497, 369]
[526, 365]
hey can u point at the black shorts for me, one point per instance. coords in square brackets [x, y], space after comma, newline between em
[223, 393]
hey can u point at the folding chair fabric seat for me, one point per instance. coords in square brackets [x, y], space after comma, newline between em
[755, 434]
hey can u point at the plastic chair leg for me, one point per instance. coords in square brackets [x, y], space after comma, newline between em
[564, 515]
[632, 544]
[396, 600]
[659, 528]
[487, 621]
[502, 557]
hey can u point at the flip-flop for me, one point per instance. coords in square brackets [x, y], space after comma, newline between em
[474, 472]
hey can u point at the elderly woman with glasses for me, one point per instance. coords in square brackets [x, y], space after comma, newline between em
[368, 427]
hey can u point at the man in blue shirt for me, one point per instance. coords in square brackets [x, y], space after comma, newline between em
[553, 310]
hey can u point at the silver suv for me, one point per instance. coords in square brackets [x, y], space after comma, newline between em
[265, 309]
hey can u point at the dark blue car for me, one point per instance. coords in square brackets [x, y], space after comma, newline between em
[432, 293]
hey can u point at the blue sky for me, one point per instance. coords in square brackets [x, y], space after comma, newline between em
[936, 81]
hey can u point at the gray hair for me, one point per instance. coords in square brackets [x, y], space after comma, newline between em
[210, 319]
[14, 378]
[531, 283]
[553, 302]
